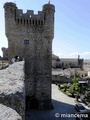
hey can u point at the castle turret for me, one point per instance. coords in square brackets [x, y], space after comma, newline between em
[49, 10]
[10, 12]
[5, 52]
[10, 16]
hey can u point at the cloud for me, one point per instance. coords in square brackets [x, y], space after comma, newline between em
[84, 55]
[60, 54]
[67, 55]
[74, 55]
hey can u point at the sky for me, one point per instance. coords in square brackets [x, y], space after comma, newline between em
[72, 25]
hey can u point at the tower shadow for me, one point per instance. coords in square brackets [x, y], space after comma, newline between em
[54, 114]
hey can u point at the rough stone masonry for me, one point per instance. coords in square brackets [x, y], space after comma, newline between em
[12, 92]
[30, 37]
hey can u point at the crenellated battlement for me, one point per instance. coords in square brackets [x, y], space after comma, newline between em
[29, 18]
[44, 17]
[29, 14]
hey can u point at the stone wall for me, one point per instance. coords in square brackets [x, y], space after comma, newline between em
[12, 90]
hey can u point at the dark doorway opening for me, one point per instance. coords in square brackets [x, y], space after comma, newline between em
[31, 103]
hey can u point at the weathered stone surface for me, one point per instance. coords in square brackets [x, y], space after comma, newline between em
[7, 113]
[12, 90]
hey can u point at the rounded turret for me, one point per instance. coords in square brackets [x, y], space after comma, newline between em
[48, 7]
[10, 16]
[49, 10]
[5, 52]
[9, 5]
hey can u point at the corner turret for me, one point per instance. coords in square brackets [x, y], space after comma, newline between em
[5, 52]
[10, 13]
[9, 5]
[49, 10]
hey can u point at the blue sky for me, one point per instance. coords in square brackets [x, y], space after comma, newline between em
[72, 25]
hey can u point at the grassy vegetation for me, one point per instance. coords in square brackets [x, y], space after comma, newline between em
[76, 90]
[67, 92]
[71, 89]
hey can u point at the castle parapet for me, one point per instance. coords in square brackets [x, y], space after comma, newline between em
[29, 17]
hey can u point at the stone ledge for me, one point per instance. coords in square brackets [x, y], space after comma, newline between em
[7, 113]
[12, 88]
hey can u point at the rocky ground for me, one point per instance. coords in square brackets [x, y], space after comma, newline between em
[11, 78]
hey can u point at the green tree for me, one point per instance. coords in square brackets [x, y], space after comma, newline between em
[87, 95]
[74, 88]
[65, 87]
[75, 79]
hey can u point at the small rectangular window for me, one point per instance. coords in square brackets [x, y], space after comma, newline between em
[26, 42]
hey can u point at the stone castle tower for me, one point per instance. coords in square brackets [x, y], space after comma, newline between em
[30, 36]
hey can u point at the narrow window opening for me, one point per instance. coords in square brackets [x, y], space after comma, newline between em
[30, 22]
[18, 21]
[27, 22]
[36, 22]
[24, 21]
[33, 22]
[39, 22]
